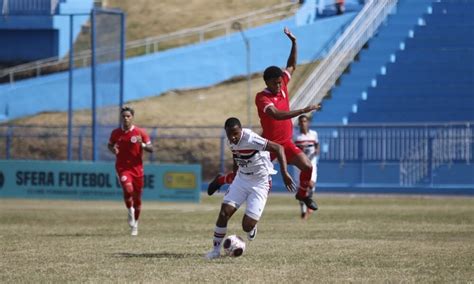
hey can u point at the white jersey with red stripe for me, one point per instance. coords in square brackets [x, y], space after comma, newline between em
[307, 142]
[253, 180]
[250, 156]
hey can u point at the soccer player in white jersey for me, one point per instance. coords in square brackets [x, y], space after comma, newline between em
[307, 140]
[252, 182]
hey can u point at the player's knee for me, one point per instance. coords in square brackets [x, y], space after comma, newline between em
[223, 216]
[307, 167]
[128, 188]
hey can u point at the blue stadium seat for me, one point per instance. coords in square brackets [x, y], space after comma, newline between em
[428, 69]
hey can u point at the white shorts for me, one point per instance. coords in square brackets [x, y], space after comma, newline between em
[252, 189]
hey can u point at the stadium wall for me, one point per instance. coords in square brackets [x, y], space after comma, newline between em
[192, 66]
[48, 34]
[378, 177]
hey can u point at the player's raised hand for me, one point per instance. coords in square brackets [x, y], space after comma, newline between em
[289, 183]
[318, 107]
[289, 34]
[310, 108]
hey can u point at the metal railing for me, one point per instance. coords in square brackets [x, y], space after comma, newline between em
[441, 146]
[419, 148]
[158, 43]
[414, 165]
[361, 29]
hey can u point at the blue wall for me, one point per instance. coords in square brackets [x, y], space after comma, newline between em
[378, 177]
[186, 67]
[16, 44]
[49, 35]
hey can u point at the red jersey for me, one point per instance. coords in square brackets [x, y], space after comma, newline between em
[130, 152]
[278, 131]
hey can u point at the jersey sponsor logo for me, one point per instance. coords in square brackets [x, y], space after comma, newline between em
[134, 139]
[244, 163]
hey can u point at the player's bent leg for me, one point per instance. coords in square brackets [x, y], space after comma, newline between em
[305, 176]
[308, 201]
[249, 225]
[226, 212]
[218, 181]
[214, 185]
[220, 230]
[302, 209]
[303, 163]
[255, 205]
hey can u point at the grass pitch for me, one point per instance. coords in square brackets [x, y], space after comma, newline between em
[351, 239]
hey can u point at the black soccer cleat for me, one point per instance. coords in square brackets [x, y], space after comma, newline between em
[308, 202]
[213, 186]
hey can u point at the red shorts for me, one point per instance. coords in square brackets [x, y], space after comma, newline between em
[291, 151]
[129, 177]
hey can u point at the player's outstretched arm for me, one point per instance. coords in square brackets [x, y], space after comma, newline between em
[291, 63]
[277, 114]
[279, 151]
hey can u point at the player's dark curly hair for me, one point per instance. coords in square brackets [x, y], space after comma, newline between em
[272, 72]
[303, 116]
[127, 108]
[231, 122]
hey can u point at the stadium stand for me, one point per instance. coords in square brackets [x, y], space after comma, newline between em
[400, 117]
[432, 79]
[419, 68]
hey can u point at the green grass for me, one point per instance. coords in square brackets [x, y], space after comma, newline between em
[351, 239]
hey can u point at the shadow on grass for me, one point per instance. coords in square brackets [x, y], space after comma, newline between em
[166, 255]
[78, 235]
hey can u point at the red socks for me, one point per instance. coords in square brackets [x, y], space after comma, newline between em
[227, 178]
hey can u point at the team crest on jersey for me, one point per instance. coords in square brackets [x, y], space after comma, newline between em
[134, 139]
[123, 178]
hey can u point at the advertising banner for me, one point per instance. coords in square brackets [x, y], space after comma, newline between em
[95, 181]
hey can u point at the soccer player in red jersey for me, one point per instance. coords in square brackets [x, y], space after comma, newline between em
[128, 143]
[273, 107]
[275, 118]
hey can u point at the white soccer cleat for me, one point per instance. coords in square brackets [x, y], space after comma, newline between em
[213, 254]
[134, 231]
[252, 234]
[131, 217]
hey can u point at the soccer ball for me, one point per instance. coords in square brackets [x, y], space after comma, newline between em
[234, 246]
